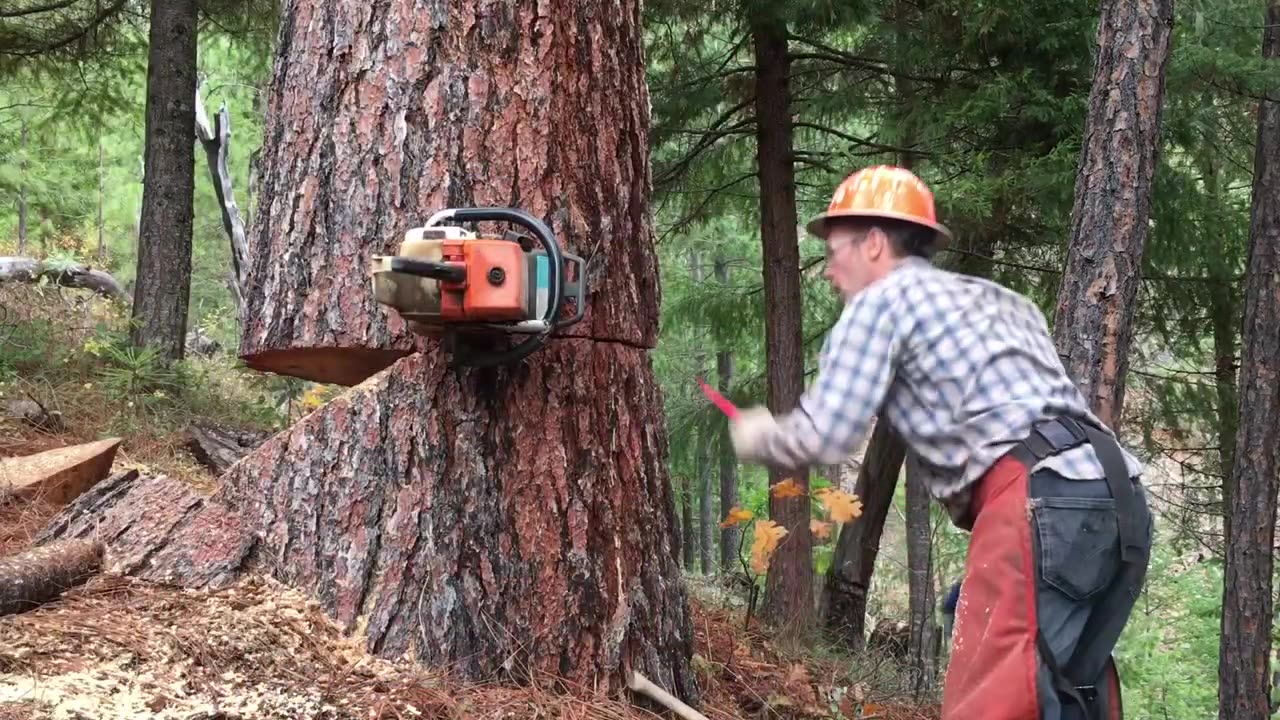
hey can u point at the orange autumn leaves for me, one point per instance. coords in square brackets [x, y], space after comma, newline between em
[839, 507]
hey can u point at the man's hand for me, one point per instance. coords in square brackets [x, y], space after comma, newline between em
[748, 432]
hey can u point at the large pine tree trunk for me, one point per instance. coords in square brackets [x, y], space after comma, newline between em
[1245, 653]
[510, 522]
[163, 284]
[849, 578]
[1094, 318]
[380, 113]
[789, 587]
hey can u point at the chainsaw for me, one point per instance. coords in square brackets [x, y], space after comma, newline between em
[472, 289]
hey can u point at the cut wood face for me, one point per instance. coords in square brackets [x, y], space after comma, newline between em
[336, 365]
[61, 475]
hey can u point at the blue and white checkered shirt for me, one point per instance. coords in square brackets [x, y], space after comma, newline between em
[960, 366]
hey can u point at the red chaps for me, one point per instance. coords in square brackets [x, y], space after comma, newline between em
[995, 671]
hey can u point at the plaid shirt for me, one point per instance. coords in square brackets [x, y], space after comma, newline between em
[961, 367]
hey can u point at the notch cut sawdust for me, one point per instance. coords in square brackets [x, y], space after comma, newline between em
[122, 648]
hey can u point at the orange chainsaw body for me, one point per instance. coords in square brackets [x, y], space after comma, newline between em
[494, 289]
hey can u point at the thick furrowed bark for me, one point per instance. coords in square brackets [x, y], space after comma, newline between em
[383, 112]
[1247, 603]
[1093, 322]
[474, 537]
[471, 538]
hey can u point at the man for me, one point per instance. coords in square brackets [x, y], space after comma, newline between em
[966, 372]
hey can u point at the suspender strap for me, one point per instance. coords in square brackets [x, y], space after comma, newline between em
[1064, 686]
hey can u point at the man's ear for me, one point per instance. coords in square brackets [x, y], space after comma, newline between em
[877, 244]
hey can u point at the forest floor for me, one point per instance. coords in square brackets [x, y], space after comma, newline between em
[123, 648]
[117, 647]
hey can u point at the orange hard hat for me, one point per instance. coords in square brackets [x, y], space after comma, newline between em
[883, 191]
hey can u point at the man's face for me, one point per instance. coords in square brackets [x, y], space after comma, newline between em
[851, 259]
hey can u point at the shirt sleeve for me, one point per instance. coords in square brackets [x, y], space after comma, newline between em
[855, 371]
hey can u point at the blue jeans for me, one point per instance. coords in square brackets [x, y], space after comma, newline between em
[1084, 594]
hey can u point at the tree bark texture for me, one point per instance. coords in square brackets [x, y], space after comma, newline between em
[706, 521]
[1093, 321]
[380, 113]
[157, 528]
[728, 462]
[849, 578]
[163, 285]
[789, 587]
[922, 653]
[1245, 652]
[41, 574]
[468, 536]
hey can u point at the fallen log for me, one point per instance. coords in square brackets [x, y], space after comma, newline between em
[24, 269]
[60, 475]
[40, 574]
[218, 447]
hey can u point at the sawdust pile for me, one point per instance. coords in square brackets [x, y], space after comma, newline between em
[120, 648]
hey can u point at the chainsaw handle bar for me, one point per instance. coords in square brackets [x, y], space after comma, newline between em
[555, 290]
[447, 272]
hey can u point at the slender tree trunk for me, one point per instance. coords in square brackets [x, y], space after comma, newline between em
[688, 538]
[1224, 310]
[22, 192]
[102, 192]
[789, 587]
[1245, 652]
[728, 462]
[706, 515]
[702, 453]
[922, 650]
[849, 578]
[162, 286]
[1093, 324]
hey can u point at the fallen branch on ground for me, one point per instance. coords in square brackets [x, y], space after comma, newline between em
[70, 275]
[38, 575]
